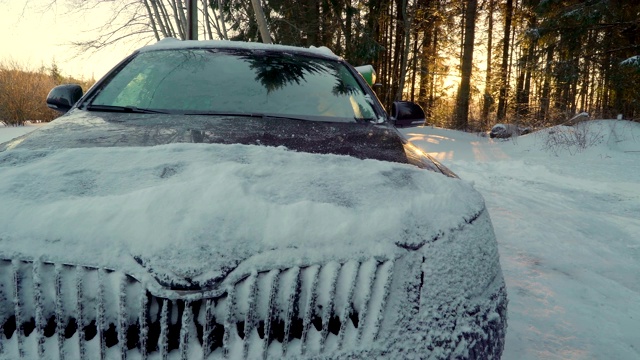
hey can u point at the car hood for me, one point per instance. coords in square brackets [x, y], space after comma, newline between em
[80, 128]
[190, 215]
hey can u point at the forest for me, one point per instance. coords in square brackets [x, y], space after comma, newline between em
[468, 63]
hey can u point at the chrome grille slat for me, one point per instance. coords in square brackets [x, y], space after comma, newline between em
[5, 302]
[60, 318]
[352, 275]
[249, 323]
[100, 316]
[18, 307]
[144, 326]
[122, 315]
[80, 311]
[207, 329]
[292, 288]
[368, 272]
[328, 309]
[309, 306]
[228, 326]
[163, 341]
[304, 310]
[270, 312]
[37, 290]
[187, 320]
[386, 271]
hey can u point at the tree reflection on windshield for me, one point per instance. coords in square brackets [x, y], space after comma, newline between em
[276, 72]
[342, 88]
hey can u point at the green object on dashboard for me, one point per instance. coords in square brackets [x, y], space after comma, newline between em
[368, 73]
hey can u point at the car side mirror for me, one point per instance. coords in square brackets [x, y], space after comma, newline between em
[407, 113]
[62, 98]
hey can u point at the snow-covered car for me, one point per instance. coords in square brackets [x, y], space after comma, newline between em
[215, 199]
[503, 131]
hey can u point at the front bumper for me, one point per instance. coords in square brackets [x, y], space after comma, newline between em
[108, 315]
[442, 300]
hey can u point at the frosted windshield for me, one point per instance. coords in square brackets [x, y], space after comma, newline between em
[227, 81]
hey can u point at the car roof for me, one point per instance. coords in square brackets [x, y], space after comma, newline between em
[172, 43]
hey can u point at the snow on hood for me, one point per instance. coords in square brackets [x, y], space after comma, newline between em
[198, 211]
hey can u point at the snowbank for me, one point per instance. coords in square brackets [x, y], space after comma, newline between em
[568, 229]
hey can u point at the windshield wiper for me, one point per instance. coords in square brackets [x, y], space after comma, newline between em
[124, 109]
[253, 115]
[222, 113]
[371, 120]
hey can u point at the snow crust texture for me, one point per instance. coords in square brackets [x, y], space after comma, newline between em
[189, 201]
[564, 202]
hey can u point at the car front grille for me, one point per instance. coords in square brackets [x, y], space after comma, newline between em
[51, 310]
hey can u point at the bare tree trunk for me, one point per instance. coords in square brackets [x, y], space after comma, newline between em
[532, 57]
[586, 78]
[573, 94]
[313, 16]
[464, 91]
[502, 99]
[348, 29]
[176, 17]
[405, 22]
[388, 59]
[545, 101]
[425, 58]
[207, 19]
[159, 18]
[432, 89]
[462, 30]
[488, 97]
[151, 20]
[223, 22]
[414, 65]
[183, 17]
[171, 31]
[262, 21]
[525, 64]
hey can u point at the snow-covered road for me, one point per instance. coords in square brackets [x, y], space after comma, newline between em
[568, 227]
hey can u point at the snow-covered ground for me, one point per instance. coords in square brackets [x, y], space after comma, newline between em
[568, 227]
[9, 132]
